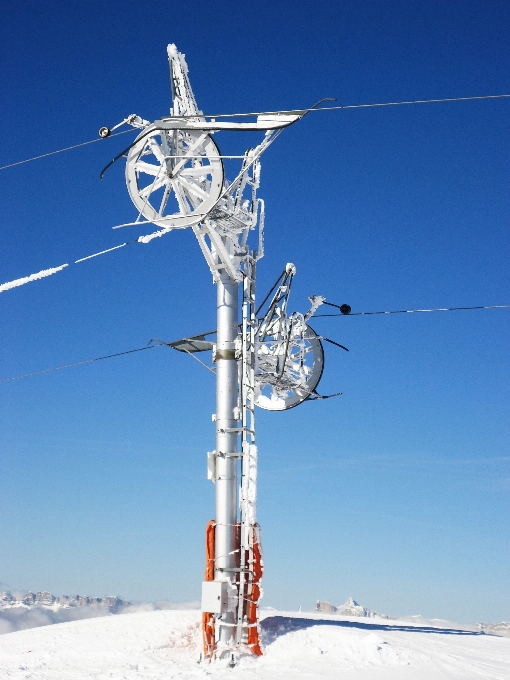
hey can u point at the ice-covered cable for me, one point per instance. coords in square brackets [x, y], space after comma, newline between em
[101, 252]
[49, 272]
[67, 148]
[32, 277]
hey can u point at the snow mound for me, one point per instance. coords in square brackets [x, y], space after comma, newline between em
[161, 645]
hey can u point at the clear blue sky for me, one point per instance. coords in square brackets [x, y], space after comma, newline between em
[397, 492]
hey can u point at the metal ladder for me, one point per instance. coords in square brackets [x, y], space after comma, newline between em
[248, 460]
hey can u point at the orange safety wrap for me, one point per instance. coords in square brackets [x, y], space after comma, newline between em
[207, 618]
[258, 568]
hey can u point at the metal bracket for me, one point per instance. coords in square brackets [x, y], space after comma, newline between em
[235, 569]
[229, 354]
[238, 348]
[317, 301]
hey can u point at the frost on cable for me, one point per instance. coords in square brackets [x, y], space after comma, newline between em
[32, 277]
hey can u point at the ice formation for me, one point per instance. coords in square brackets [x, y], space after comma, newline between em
[32, 277]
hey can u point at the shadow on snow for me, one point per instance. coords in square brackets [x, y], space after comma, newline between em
[275, 626]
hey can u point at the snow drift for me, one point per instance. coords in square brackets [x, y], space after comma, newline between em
[166, 644]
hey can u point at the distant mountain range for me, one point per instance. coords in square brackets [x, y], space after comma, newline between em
[352, 608]
[19, 611]
[46, 599]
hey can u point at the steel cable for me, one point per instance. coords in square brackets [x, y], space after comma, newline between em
[162, 343]
[410, 311]
[351, 106]
[67, 148]
[265, 113]
[79, 363]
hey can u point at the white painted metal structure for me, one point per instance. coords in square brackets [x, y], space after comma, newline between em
[289, 358]
[175, 177]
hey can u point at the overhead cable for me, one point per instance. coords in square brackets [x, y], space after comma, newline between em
[267, 113]
[410, 311]
[333, 342]
[67, 148]
[162, 343]
[349, 106]
[54, 270]
[272, 289]
[79, 363]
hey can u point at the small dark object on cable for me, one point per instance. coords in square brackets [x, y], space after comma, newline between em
[345, 309]
[104, 132]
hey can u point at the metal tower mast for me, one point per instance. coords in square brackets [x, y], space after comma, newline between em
[227, 431]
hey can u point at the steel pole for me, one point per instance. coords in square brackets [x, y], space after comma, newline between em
[226, 440]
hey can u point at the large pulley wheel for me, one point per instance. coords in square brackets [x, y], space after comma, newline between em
[287, 373]
[174, 177]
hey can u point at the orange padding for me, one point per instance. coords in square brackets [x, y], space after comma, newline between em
[207, 618]
[250, 599]
[254, 596]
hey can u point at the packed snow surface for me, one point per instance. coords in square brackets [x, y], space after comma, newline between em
[166, 644]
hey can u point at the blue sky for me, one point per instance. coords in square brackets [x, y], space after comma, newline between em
[397, 492]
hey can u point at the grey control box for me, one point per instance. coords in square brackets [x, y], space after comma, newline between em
[214, 597]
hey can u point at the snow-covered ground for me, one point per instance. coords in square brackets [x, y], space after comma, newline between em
[166, 644]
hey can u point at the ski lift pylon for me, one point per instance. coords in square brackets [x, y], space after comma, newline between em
[176, 180]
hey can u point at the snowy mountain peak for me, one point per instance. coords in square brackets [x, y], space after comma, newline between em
[349, 608]
[350, 602]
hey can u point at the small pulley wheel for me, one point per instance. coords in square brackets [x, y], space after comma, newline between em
[288, 369]
[104, 132]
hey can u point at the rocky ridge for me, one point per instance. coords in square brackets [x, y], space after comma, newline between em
[349, 608]
[352, 608]
[501, 629]
[47, 600]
